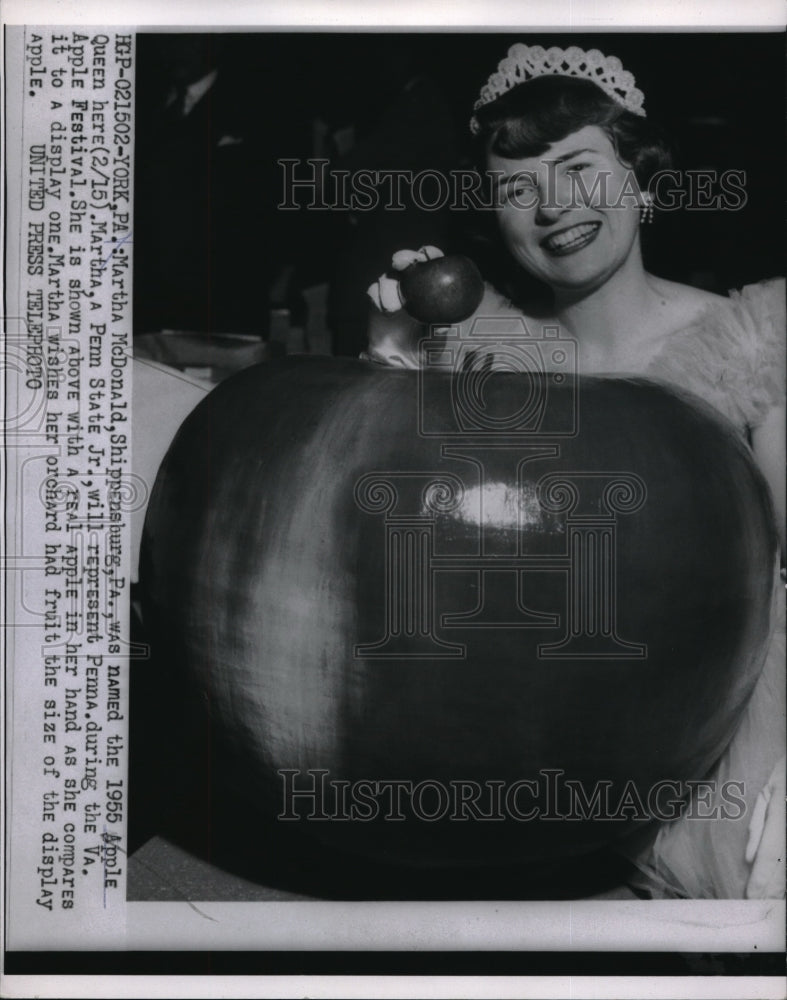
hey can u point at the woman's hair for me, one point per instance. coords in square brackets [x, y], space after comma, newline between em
[527, 119]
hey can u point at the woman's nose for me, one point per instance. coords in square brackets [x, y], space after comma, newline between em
[548, 212]
[554, 198]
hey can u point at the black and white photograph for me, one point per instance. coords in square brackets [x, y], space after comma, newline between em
[396, 510]
[380, 577]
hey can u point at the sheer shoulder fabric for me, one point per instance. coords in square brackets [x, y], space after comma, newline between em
[733, 355]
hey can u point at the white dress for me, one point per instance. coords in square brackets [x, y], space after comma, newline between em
[733, 357]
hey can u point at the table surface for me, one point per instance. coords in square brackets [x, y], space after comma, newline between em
[161, 870]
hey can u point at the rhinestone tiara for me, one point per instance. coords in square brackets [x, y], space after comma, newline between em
[526, 62]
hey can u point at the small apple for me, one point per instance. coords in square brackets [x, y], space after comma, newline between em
[441, 290]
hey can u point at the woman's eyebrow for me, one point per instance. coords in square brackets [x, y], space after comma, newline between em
[571, 155]
[530, 174]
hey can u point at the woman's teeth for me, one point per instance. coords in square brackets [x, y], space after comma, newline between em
[571, 239]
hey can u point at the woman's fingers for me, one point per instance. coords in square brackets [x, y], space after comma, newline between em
[404, 258]
[384, 292]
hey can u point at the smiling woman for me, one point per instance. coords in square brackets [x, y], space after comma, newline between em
[565, 139]
[561, 203]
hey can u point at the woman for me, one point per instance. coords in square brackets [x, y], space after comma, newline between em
[573, 158]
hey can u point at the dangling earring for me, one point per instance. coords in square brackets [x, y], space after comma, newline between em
[647, 211]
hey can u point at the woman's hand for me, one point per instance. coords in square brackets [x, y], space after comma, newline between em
[393, 334]
[384, 292]
[765, 849]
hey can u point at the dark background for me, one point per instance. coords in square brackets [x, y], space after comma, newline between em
[210, 212]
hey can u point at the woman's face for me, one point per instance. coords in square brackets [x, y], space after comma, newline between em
[570, 216]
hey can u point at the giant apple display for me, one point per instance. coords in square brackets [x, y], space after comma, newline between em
[551, 585]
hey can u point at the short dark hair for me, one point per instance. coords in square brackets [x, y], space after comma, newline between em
[527, 119]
